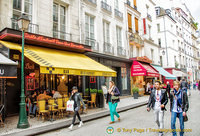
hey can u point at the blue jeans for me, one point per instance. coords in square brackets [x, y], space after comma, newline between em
[174, 115]
[34, 109]
[112, 107]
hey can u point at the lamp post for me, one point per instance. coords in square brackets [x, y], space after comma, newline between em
[23, 23]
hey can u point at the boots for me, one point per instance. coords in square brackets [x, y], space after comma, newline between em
[71, 127]
[80, 124]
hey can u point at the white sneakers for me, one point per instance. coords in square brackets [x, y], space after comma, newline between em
[71, 127]
[80, 124]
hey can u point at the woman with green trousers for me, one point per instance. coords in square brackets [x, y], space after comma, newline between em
[112, 100]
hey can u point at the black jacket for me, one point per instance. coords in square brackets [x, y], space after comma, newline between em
[77, 99]
[152, 99]
[116, 93]
[185, 103]
[184, 84]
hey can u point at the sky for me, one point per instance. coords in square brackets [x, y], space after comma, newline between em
[194, 7]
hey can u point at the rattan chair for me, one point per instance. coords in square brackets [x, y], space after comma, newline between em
[42, 109]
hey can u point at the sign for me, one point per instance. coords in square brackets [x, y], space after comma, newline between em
[53, 41]
[8, 71]
[144, 59]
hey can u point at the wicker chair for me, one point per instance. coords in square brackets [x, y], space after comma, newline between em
[61, 107]
[42, 109]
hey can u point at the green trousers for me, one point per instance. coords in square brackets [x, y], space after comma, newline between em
[112, 107]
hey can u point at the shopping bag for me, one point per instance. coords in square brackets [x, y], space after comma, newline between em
[70, 105]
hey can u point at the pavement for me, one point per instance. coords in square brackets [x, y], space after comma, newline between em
[38, 127]
[137, 122]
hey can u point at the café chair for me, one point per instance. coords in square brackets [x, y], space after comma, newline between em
[93, 100]
[42, 109]
[1, 119]
[52, 106]
[61, 107]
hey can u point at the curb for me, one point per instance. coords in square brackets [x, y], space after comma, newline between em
[67, 122]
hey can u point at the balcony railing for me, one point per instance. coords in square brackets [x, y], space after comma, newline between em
[129, 3]
[105, 6]
[135, 7]
[121, 51]
[62, 35]
[92, 43]
[108, 48]
[149, 17]
[33, 28]
[118, 13]
[93, 1]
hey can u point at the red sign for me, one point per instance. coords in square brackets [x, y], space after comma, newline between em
[142, 69]
[53, 41]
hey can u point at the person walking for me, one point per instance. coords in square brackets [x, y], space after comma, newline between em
[112, 100]
[168, 89]
[184, 85]
[76, 97]
[197, 84]
[194, 85]
[158, 100]
[178, 107]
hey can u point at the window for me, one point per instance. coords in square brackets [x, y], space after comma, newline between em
[136, 25]
[161, 61]
[137, 52]
[124, 78]
[119, 36]
[59, 21]
[106, 32]
[157, 12]
[129, 22]
[158, 27]
[19, 7]
[89, 30]
[117, 4]
[149, 32]
[159, 42]
[152, 54]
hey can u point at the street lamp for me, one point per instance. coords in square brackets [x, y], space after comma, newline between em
[23, 23]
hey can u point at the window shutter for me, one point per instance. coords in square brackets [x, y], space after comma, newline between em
[144, 25]
[129, 22]
[136, 25]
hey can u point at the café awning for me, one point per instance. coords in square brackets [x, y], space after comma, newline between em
[163, 72]
[54, 61]
[143, 69]
[8, 68]
[179, 73]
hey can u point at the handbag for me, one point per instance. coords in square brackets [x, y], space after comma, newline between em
[114, 97]
[185, 118]
[70, 105]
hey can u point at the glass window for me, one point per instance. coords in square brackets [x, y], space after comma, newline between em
[124, 78]
[17, 4]
[106, 32]
[119, 36]
[89, 30]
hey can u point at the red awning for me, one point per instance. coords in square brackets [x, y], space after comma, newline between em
[143, 69]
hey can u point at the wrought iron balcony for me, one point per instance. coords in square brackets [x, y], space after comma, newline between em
[105, 6]
[108, 48]
[93, 1]
[118, 13]
[62, 35]
[121, 51]
[92, 43]
[33, 28]
[149, 17]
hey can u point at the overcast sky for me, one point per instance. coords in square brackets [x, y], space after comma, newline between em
[194, 7]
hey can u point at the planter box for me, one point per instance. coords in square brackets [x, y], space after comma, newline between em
[135, 95]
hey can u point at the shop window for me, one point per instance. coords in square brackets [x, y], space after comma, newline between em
[92, 79]
[30, 83]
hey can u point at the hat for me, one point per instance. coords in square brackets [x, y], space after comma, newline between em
[74, 88]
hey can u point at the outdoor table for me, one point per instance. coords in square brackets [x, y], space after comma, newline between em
[52, 105]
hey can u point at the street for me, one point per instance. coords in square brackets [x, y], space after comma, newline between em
[137, 122]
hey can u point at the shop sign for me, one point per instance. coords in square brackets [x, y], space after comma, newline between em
[8, 71]
[53, 41]
[29, 66]
[144, 59]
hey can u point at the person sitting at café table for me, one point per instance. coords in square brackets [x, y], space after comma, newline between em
[33, 107]
[43, 96]
[56, 94]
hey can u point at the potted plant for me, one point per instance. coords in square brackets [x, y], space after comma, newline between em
[135, 91]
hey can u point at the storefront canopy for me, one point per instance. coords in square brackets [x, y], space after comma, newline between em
[8, 68]
[143, 69]
[54, 61]
[163, 72]
[179, 73]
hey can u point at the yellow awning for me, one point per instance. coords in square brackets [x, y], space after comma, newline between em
[54, 61]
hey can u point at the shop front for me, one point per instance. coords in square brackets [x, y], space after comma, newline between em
[143, 74]
[120, 65]
[8, 72]
[53, 64]
[165, 76]
[177, 72]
